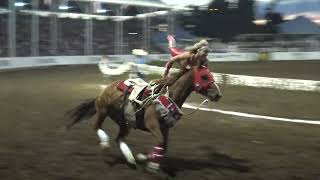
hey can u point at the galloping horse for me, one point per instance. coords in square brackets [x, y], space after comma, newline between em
[111, 102]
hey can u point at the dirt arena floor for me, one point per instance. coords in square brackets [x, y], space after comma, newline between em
[34, 144]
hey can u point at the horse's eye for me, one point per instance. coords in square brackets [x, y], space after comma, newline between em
[205, 77]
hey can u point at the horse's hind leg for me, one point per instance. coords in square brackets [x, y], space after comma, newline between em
[123, 132]
[103, 136]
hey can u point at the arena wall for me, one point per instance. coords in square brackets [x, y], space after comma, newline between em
[240, 80]
[25, 62]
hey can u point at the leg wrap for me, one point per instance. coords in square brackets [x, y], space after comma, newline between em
[156, 155]
[104, 138]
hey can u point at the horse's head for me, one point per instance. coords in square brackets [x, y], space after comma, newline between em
[204, 84]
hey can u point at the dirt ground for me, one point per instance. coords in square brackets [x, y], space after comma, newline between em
[34, 144]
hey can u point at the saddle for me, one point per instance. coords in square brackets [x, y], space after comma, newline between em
[137, 89]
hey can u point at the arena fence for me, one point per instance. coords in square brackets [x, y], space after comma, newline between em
[239, 80]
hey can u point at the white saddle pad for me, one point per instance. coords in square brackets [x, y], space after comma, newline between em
[135, 82]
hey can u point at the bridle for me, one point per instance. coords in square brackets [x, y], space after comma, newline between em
[203, 79]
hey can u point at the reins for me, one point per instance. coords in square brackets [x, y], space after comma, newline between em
[195, 110]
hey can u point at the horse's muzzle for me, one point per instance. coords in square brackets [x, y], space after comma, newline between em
[215, 98]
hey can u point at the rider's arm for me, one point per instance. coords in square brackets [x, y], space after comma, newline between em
[203, 62]
[206, 63]
[177, 58]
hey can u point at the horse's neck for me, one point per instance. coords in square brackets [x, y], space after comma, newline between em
[181, 89]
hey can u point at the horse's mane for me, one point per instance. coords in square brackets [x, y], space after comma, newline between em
[170, 80]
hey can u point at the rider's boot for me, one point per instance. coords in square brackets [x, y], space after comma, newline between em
[171, 41]
[173, 46]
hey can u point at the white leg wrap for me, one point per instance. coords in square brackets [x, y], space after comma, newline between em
[141, 157]
[127, 152]
[153, 165]
[104, 138]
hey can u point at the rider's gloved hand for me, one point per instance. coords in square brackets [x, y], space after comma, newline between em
[168, 66]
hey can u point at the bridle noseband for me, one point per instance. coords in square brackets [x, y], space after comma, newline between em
[202, 79]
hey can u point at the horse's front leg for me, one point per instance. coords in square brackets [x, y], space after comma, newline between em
[157, 154]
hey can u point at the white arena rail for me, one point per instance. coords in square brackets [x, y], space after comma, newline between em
[253, 81]
[240, 80]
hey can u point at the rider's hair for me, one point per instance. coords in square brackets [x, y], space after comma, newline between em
[203, 48]
[198, 45]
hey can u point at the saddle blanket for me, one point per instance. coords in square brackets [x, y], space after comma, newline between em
[134, 87]
[167, 108]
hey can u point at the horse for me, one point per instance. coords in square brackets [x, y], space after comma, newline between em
[111, 101]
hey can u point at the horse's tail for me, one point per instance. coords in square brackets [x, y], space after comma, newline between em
[82, 111]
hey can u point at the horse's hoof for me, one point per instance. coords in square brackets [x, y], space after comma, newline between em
[127, 153]
[105, 144]
[141, 157]
[153, 167]
[132, 166]
[131, 160]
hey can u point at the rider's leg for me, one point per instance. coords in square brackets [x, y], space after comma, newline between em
[172, 46]
[171, 41]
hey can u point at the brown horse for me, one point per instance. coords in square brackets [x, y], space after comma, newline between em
[111, 101]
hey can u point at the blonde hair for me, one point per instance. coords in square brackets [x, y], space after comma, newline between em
[198, 45]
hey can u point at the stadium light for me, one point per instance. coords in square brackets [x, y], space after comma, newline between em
[260, 22]
[4, 11]
[20, 4]
[100, 11]
[139, 3]
[64, 7]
